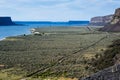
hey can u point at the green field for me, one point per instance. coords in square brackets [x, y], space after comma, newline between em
[59, 52]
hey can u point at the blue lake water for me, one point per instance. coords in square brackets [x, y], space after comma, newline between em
[6, 31]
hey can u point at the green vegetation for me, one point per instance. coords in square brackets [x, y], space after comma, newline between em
[110, 57]
[60, 52]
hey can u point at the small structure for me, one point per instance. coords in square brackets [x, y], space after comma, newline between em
[37, 33]
[32, 30]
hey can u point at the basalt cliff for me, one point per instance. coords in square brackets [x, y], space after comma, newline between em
[108, 64]
[111, 73]
[6, 21]
[114, 25]
[101, 20]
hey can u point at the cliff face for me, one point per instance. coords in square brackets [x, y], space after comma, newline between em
[116, 18]
[111, 73]
[6, 21]
[110, 57]
[101, 20]
[114, 25]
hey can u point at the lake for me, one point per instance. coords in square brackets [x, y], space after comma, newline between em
[6, 31]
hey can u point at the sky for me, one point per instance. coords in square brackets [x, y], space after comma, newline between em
[56, 10]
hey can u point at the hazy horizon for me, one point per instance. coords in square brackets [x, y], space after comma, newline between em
[56, 10]
[46, 20]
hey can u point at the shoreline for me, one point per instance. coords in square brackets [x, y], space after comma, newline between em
[2, 39]
[34, 30]
[56, 48]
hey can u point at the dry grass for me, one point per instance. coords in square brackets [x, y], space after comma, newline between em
[7, 76]
[12, 39]
[34, 52]
[88, 55]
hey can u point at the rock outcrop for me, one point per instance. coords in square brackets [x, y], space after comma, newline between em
[6, 21]
[114, 25]
[101, 20]
[111, 73]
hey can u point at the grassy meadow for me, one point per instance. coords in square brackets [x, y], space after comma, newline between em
[59, 53]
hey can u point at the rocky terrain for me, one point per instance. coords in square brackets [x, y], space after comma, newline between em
[111, 58]
[6, 21]
[114, 25]
[112, 73]
[101, 20]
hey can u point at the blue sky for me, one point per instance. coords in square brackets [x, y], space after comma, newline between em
[56, 10]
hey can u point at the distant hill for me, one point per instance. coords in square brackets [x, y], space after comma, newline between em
[78, 22]
[101, 20]
[114, 25]
[6, 21]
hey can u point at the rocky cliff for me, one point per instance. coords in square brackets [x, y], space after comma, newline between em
[111, 73]
[6, 21]
[114, 25]
[101, 20]
[111, 58]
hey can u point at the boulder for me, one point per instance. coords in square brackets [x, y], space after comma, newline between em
[111, 73]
